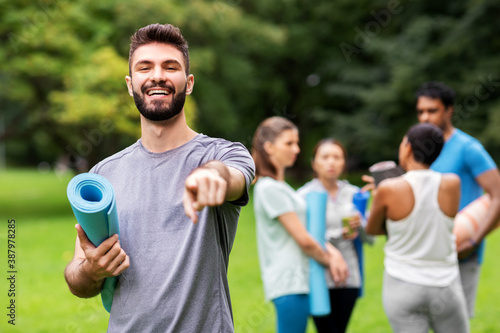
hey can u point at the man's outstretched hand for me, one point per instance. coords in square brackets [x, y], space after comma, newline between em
[205, 186]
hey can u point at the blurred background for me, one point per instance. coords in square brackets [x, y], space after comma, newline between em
[347, 69]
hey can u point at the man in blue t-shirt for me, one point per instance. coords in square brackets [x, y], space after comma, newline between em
[466, 157]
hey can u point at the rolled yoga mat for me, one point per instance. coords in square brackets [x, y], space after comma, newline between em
[360, 200]
[385, 169]
[319, 301]
[93, 202]
[468, 220]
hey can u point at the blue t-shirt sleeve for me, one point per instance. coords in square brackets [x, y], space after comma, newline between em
[477, 159]
[275, 200]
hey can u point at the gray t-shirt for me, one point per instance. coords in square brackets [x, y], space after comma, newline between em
[177, 279]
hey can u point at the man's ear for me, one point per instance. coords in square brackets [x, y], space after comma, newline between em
[190, 84]
[449, 112]
[128, 80]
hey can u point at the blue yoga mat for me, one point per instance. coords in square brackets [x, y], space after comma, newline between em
[360, 201]
[319, 301]
[93, 202]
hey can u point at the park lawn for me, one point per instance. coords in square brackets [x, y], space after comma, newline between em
[45, 238]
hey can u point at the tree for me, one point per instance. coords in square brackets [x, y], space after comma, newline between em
[335, 68]
[64, 90]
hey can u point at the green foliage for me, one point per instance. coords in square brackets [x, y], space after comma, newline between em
[94, 90]
[406, 46]
[336, 68]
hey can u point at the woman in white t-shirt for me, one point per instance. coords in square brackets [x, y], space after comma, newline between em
[284, 244]
[328, 163]
[422, 287]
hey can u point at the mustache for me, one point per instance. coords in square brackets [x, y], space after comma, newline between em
[158, 85]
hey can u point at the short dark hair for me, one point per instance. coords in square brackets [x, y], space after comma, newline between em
[159, 33]
[426, 142]
[268, 131]
[437, 90]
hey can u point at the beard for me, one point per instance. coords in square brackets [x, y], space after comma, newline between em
[159, 110]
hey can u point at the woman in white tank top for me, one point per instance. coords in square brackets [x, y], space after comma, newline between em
[422, 287]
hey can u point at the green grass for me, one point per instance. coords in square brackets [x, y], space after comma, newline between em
[45, 238]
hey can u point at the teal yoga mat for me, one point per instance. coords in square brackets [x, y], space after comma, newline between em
[319, 300]
[92, 199]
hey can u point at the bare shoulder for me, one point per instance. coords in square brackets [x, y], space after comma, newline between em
[397, 197]
[450, 182]
[392, 188]
[449, 194]
[393, 185]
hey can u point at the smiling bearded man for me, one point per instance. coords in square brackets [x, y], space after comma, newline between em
[159, 112]
[178, 197]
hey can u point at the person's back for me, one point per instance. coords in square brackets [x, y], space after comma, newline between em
[421, 246]
[421, 287]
